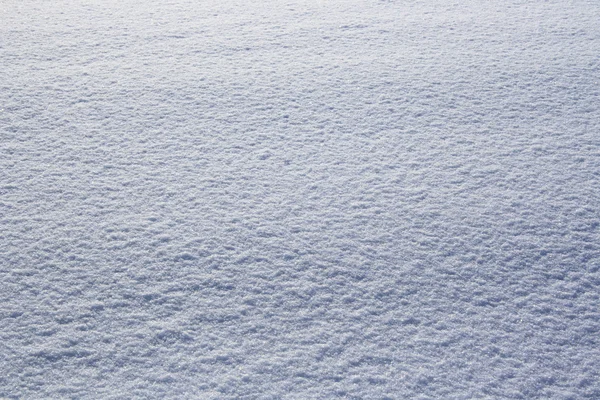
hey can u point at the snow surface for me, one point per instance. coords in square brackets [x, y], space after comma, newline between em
[300, 199]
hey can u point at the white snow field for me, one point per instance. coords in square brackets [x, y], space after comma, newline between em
[300, 199]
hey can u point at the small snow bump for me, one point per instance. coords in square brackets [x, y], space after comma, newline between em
[185, 257]
[411, 321]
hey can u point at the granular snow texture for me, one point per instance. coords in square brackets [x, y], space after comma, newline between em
[300, 199]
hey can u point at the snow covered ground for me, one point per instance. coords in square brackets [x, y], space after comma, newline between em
[298, 199]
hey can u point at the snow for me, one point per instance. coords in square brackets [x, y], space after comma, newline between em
[300, 199]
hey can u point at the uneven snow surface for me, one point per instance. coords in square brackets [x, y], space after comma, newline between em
[296, 199]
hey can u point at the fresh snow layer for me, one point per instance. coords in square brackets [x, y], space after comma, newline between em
[300, 199]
